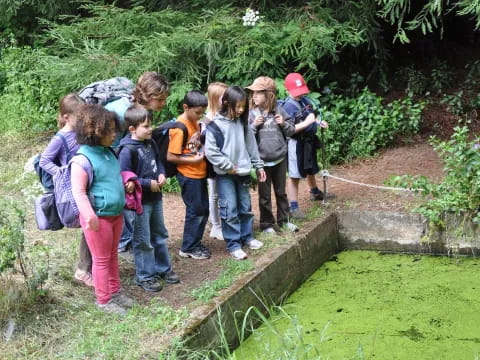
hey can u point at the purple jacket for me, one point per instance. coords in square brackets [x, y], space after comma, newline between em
[133, 201]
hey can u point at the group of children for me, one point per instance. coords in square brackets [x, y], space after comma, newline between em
[120, 200]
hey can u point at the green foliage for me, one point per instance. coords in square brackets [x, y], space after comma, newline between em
[440, 78]
[454, 102]
[359, 126]
[12, 237]
[459, 191]
[414, 80]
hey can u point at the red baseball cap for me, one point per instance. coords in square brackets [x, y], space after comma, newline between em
[295, 84]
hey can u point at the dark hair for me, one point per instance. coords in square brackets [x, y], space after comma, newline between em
[195, 98]
[137, 114]
[230, 98]
[68, 105]
[94, 123]
[151, 85]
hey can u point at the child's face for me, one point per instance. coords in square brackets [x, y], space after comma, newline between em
[157, 104]
[142, 132]
[240, 107]
[259, 98]
[194, 113]
[108, 139]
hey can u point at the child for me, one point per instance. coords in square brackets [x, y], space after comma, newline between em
[302, 148]
[100, 202]
[56, 155]
[192, 175]
[151, 92]
[139, 154]
[232, 164]
[215, 92]
[271, 126]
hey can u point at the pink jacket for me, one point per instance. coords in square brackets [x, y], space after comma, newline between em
[133, 201]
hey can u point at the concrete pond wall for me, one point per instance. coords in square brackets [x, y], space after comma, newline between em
[280, 271]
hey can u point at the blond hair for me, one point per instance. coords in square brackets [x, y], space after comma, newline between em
[151, 85]
[215, 91]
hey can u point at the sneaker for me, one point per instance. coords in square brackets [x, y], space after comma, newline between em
[238, 254]
[112, 308]
[255, 244]
[205, 250]
[151, 285]
[216, 233]
[84, 277]
[297, 214]
[270, 231]
[123, 300]
[316, 196]
[170, 277]
[198, 254]
[291, 227]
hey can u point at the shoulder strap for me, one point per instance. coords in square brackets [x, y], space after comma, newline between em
[217, 133]
[133, 153]
[180, 125]
[65, 145]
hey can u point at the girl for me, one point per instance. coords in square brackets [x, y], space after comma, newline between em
[215, 92]
[271, 128]
[101, 219]
[58, 153]
[151, 92]
[232, 163]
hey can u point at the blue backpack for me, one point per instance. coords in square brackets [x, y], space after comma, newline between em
[67, 208]
[45, 178]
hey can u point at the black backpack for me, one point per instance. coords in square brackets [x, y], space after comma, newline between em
[161, 136]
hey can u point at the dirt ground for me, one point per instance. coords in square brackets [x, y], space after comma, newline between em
[414, 157]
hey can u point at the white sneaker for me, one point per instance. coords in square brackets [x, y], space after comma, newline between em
[291, 227]
[270, 231]
[216, 232]
[238, 254]
[255, 244]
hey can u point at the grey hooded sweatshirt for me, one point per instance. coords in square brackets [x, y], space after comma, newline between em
[239, 149]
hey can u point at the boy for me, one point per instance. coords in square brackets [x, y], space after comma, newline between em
[139, 155]
[192, 175]
[302, 147]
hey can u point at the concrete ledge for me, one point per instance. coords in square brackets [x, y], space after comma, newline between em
[278, 273]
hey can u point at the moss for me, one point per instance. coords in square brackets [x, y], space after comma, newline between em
[367, 305]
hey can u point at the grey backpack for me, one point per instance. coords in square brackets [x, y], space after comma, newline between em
[104, 91]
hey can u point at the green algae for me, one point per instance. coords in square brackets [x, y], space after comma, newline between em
[368, 305]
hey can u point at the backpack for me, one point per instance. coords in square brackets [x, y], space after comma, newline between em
[67, 208]
[46, 213]
[105, 91]
[161, 136]
[45, 177]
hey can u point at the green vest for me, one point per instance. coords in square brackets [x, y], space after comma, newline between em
[107, 191]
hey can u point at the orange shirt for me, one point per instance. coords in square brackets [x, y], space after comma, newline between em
[194, 171]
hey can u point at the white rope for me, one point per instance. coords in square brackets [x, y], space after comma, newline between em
[327, 174]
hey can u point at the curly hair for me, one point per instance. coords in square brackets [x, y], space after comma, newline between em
[150, 85]
[94, 123]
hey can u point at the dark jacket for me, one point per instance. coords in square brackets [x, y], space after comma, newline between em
[142, 158]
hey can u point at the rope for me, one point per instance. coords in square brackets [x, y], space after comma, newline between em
[325, 173]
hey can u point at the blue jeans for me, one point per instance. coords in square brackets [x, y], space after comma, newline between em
[150, 249]
[195, 198]
[235, 210]
[128, 228]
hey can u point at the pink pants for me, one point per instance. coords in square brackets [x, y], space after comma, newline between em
[103, 245]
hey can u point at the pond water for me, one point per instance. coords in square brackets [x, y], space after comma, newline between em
[368, 305]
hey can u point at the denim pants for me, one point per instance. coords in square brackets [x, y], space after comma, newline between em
[195, 198]
[128, 228]
[150, 249]
[235, 210]
[213, 202]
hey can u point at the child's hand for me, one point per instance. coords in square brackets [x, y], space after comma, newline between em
[262, 175]
[199, 156]
[259, 120]
[154, 186]
[279, 119]
[232, 171]
[323, 124]
[129, 187]
[161, 180]
[92, 223]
